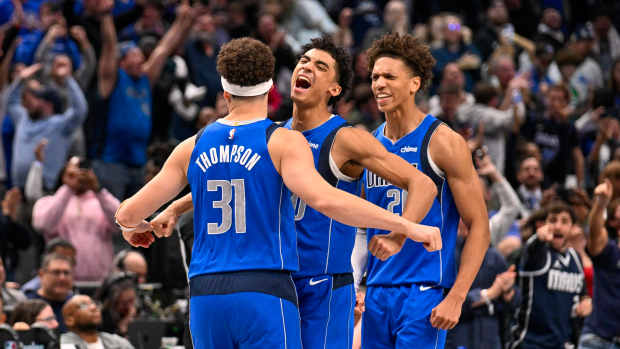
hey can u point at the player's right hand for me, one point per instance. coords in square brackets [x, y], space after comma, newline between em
[428, 235]
[164, 223]
[141, 236]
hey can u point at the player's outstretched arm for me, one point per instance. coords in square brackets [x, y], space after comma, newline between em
[293, 160]
[366, 151]
[167, 184]
[451, 153]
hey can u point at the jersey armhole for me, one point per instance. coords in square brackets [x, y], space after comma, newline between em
[325, 166]
[428, 165]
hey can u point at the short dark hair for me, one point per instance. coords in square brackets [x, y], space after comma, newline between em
[55, 243]
[413, 52]
[245, 62]
[27, 311]
[559, 206]
[344, 70]
[48, 258]
[484, 92]
[562, 88]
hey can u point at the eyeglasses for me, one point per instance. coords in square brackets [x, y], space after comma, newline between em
[59, 272]
[86, 305]
[47, 319]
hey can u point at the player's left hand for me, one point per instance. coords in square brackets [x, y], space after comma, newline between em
[164, 223]
[387, 245]
[446, 315]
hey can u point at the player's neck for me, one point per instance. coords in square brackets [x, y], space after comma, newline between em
[402, 121]
[307, 118]
[247, 110]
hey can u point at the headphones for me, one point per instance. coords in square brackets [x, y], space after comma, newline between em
[119, 260]
[113, 279]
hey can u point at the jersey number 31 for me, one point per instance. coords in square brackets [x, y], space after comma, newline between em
[224, 204]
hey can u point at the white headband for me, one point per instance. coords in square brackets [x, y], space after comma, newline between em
[246, 91]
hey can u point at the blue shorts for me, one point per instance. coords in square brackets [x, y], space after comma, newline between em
[398, 317]
[219, 319]
[326, 305]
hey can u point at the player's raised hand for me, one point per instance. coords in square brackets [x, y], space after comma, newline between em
[164, 223]
[386, 245]
[545, 233]
[428, 235]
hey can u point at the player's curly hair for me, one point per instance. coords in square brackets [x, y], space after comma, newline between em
[245, 62]
[416, 55]
[344, 70]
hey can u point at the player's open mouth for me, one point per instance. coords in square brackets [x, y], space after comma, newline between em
[303, 82]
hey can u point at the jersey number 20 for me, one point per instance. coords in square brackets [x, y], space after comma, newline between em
[224, 205]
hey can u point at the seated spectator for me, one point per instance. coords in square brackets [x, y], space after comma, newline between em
[10, 296]
[32, 311]
[40, 116]
[83, 317]
[58, 246]
[602, 328]
[81, 212]
[131, 262]
[118, 298]
[14, 236]
[552, 285]
[56, 275]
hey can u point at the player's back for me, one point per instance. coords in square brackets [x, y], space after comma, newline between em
[243, 217]
[414, 264]
[324, 245]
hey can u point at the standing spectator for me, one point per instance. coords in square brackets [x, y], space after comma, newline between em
[615, 82]
[56, 275]
[40, 116]
[83, 317]
[530, 177]
[606, 41]
[271, 35]
[450, 100]
[552, 284]
[395, 20]
[128, 89]
[81, 212]
[454, 49]
[307, 19]
[451, 75]
[557, 138]
[14, 236]
[512, 87]
[588, 75]
[602, 328]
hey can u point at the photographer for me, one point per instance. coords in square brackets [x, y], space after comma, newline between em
[82, 213]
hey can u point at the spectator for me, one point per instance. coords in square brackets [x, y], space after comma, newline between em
[56, 275]
[543, 71]
[54, 246]
[550, 27]
[451, 76]
[512, 87]
[33, 311]
[530, 177]
[131, 262]
[10, 297]
[454, 49]
[602, 328]
[118, 298]
[127, 88]
[81, 212]
[184, 98]
[498, 124]
[41, 116]
[47, 55]
[395, 20]
[578, 241]
[149, 24]
[451, 99]
[307, 19]
[344, 36]
[83, 317]
[552, 285]
[606, 40]
[615, 82]
[588, 75]
[14, 236]
[557, 138]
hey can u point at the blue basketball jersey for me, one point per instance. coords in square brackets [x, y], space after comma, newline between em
[243, 217]
[414, 264]
[324, 245]
[549, 295]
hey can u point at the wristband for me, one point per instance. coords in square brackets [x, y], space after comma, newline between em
[488, 302]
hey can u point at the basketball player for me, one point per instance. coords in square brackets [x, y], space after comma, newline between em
[405, 303]
[325, 282]
[239, 169]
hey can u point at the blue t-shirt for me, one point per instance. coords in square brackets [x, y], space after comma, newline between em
[324, 245]
[604, 322]
[414, 264]
[129, 121]
[243, 216]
